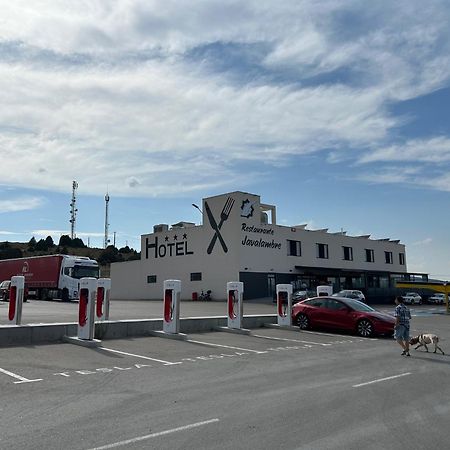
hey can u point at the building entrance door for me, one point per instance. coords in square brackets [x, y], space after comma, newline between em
[271, 285]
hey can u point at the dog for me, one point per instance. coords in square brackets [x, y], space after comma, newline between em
[424, 339]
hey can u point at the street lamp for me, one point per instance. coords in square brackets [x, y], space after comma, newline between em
[197, 207]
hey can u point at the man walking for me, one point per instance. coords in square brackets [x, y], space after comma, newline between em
[401, 329]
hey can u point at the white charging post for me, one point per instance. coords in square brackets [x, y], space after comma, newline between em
[171, 318]
[103, 294]
[284, 305]
[16, 291]
[86, 308]
[235, 294]
[324, 291]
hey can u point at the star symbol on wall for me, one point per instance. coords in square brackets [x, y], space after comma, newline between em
[184, 236]
[175, 237]
[166, 238]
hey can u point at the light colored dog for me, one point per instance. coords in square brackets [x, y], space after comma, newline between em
[424, 339]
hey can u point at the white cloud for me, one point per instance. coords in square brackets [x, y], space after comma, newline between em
[109, 94]
[425, 241]
[20, 204]
[434, 150]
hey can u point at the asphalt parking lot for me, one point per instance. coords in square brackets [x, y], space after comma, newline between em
[274, 389]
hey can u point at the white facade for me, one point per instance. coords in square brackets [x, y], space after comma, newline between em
[239, 240]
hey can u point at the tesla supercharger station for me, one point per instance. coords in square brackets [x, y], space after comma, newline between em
[324, 291]
[284, 304]
[16, 290]
[171, 319]
[86, 308]
[235, 294]
[103, 294]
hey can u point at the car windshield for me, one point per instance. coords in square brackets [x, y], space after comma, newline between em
[357, 305]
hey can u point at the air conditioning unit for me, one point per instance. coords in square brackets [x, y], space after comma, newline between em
[160, 228]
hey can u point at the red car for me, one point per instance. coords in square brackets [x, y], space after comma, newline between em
[341, 313]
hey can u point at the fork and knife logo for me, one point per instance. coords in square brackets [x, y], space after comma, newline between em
[217, 227]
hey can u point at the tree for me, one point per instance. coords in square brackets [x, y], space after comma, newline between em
[78, 243]
[65, 241]
[49, 241]
[109, 255]
[41, 246]
[8, 252]
[32, 244]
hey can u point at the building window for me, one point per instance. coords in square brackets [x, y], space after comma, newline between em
[196, 276]
[294, 248]
[370, 257]
[348, 253]
[401, 259]
[388, 257]
[322, 251]
[151, 279]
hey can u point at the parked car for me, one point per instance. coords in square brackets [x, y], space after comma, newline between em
[298, 296]
[412, 298]
[341, 313]
[4, 290]
[351, 293]
[438, 299]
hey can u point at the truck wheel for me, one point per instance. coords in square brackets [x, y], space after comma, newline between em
[65, 295]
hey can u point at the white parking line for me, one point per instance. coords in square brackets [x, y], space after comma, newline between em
[166, 363]
[319, 333]
[18, 377]
[153, 435]
[225, 346]
[289, 340]
[382, 379]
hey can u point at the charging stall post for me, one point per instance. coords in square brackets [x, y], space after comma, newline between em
[284, 305]
[171, 311]
[16, 291]
[235, 308]
[86, 314]
[324, 291]
[103, 294]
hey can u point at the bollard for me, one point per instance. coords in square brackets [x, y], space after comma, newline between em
[235, 293]
[171, 318]
[284, 304]
[86, 308]
[16, 291]
[103, 294]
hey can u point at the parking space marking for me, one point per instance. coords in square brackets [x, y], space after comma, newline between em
[382, 379]
[18, 377]
[158, 434]
[166, 363]
[289, 340]
[225, 346]
[319, 333]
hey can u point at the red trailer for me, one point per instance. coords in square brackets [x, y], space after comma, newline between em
[50, 276]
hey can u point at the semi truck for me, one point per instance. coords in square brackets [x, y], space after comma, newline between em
[50, 276]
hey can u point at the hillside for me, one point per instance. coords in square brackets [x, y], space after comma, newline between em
[104, 256]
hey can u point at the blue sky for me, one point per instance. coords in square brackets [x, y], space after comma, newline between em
[335, 111]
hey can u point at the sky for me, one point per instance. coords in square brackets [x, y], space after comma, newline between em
[337, 112]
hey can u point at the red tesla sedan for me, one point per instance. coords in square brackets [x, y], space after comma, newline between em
[340, 313]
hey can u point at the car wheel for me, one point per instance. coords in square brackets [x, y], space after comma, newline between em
[364, 328]
[302, 321]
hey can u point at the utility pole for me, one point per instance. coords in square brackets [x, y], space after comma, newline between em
[73, 210]
[106, 240]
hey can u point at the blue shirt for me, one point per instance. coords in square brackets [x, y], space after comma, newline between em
[403, 314]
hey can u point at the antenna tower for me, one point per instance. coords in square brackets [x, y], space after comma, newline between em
[73, 210]
[106, 241]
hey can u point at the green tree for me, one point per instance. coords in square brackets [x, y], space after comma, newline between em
[78, 243]
[32, 244]
[41, 246]
[49, 242]
[8, 252]
[65, 241]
